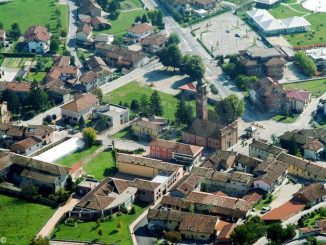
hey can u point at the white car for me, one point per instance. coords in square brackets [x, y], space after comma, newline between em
[265, 209]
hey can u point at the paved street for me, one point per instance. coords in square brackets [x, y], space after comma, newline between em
[141, 233]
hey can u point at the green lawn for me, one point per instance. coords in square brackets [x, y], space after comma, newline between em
[77, 156]
[310, 220]
[131, 4]
[316, 87]
[317, 34]
[263, 202]
[285, 119]
[102, 165]
[38, 76]
[134, 90]
[32, 12]
[123, 22]
[15, 62]
[88, 231]
[123, 134]
[20, 221]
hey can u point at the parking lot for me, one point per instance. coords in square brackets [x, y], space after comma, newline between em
[226, 34]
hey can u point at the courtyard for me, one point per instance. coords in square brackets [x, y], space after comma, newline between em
[226, 34]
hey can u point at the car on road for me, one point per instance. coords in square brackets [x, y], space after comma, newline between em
[227, 31]
[236, 35]
[73, 131]
[265, 209]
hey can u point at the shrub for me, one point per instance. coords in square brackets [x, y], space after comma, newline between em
[173, 236]
[29, 115]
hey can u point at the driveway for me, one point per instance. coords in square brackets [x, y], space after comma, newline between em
[284, 194]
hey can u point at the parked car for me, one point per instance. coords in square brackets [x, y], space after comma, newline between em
[73, 131]
[265, 209]
[236, 35]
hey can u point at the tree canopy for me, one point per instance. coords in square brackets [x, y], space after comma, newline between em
[305, 63]
[89, 136]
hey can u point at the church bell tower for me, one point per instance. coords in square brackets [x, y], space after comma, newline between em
[201, 101]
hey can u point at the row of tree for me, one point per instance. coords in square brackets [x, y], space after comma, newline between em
[171, 56]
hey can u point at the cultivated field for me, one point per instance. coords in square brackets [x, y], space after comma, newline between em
[15, 62]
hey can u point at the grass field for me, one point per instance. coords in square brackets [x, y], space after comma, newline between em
[37, 76]
[15, 62]
[123, 22]
[123, 134]
[88, 231]
[77, 156]
[317, 32]
[131, 4]
[263, 202]
[285, 119]
[21, 220]
[134, 90]
[316, 87]
[102, 165]
[32, 12]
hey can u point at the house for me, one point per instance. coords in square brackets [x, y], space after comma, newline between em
[297, 100]
[59, 95]
[262, 62]
[244, 163]
[84, 33]
[312, 194]
[38, 39]
[220, 160]
[97, 64]
[106, 198]
[269, 175]
[155, 179]
[188, 90]
[119, 56]
[268, 25]
[99, 23]
[2, 36]
[149, 128]
[21, 89]
[191, 226]
[263, 150]
[81, 106]
[23, 172]
[303, 168]
[104, 39]
[310, 142]
[90, 7]
[139, 31]
[27, 146]
[5, 115]
[208, 133]
[319, 228]
[183, 154]
[204, 4]
[91, 79]
[115, 115]
[153, 43]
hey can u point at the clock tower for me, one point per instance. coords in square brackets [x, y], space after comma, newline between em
[201, 101]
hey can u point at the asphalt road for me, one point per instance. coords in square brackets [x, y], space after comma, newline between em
[143, 236]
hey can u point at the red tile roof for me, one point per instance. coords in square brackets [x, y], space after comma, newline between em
[301, 95]
[37, 33]
[81, 103]
[188, 87]
[141, 28]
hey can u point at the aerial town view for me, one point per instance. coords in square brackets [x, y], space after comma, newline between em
[160, 122]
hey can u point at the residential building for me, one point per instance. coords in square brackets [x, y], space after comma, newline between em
[312, 194]
[81, 106]
[21, 89]
[297, 100]
[183, 154]
[2, 36]
[90, 7]
[119, 56]
[268, 25]
[99, 23]
[245, 163]
[153, 43]
[319, 228]
[38, 39]
[92, 79]
[27, 146]
[84, 33]
[115, 115]
[263, 150]
[204, 4]
[206, 133]
[23, 172]
[191, 226]
[262, 62]
[139, 31]
[104, 39]
[5, 115]
[220, 160]
[97, 64]
[302, 168]
[59, 95]
[149, 128]
[269, 175]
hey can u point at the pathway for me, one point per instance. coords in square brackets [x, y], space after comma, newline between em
[55, 218]
[293, 9]
[130, 10]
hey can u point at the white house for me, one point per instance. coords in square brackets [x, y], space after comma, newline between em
[115, 115]
[139, 31]
[38, 39]
[313, 149]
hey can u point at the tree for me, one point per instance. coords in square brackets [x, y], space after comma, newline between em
[144, 19]
[143, 107]
[155, 104]
[37, 99]
[173, 236]
[54, 44]
[134, 105]
[249, 232]
[156, 17]
[1, 26]
[138, 19]
[175, 56]
[15, 31]
[193, 66]
[277, 234]
[118, 41]
[40, 241]
[237, 104]
[100, 231]
[101, 123]
[305, 63]
[245, 82]
[173, 39]
[293, 147]
[192, 208]
[81, 123]
[184, 112]
[119, 224]
[89, 135]
[99, 93]
[13, 102]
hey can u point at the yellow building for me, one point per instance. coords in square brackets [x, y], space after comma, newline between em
[5, 115]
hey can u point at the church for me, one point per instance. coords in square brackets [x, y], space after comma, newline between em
[207, 132]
